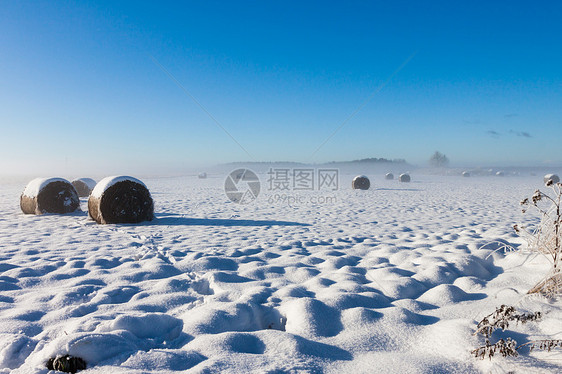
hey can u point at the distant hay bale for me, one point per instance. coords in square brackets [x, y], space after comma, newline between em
[389, 176]
[465, 174]
[360, 182]
[84, 186]
[405, 177]
[500, 174]
[49, 195]
[120, 199]
[202, 175]
[553, 177]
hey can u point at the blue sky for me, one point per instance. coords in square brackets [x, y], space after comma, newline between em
[80, 90]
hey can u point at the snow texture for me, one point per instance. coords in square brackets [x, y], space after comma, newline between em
[393, 279]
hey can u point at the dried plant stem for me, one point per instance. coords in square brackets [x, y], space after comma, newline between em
[509, 347]
[546, 237]
[500, 320]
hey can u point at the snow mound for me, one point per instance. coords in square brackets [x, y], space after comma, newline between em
[157, 326]
[14, 349]
[446, 294]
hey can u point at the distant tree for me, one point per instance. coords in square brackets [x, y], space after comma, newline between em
[439, 160]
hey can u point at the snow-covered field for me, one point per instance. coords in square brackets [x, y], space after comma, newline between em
[389, 280]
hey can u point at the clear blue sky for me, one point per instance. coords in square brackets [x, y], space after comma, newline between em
[80, 91]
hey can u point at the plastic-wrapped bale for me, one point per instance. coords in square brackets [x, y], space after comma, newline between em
[389, 176]
[120, 199]
[551, 177]
[202, 175]
[465, 174]
[360, 182]
[500, 174]
[49, 195]
[84, 186]
[404, 177]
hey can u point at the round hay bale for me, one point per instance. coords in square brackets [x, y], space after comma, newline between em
[465, 174]
[49, 195]
[84, 186]
[360, 182]
[500, 174]
[120, 199]
[202, 175]
[551, 177]
[389, 176]
[404, 177]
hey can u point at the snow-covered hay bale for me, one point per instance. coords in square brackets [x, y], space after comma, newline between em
[120, 199]
[84, 186]
[389, 176]
[49, 195]
[202, 175]
[405, 177]
[465, 174]
[551, 177]
[360, 182]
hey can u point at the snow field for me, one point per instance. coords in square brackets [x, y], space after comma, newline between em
[392, 279]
